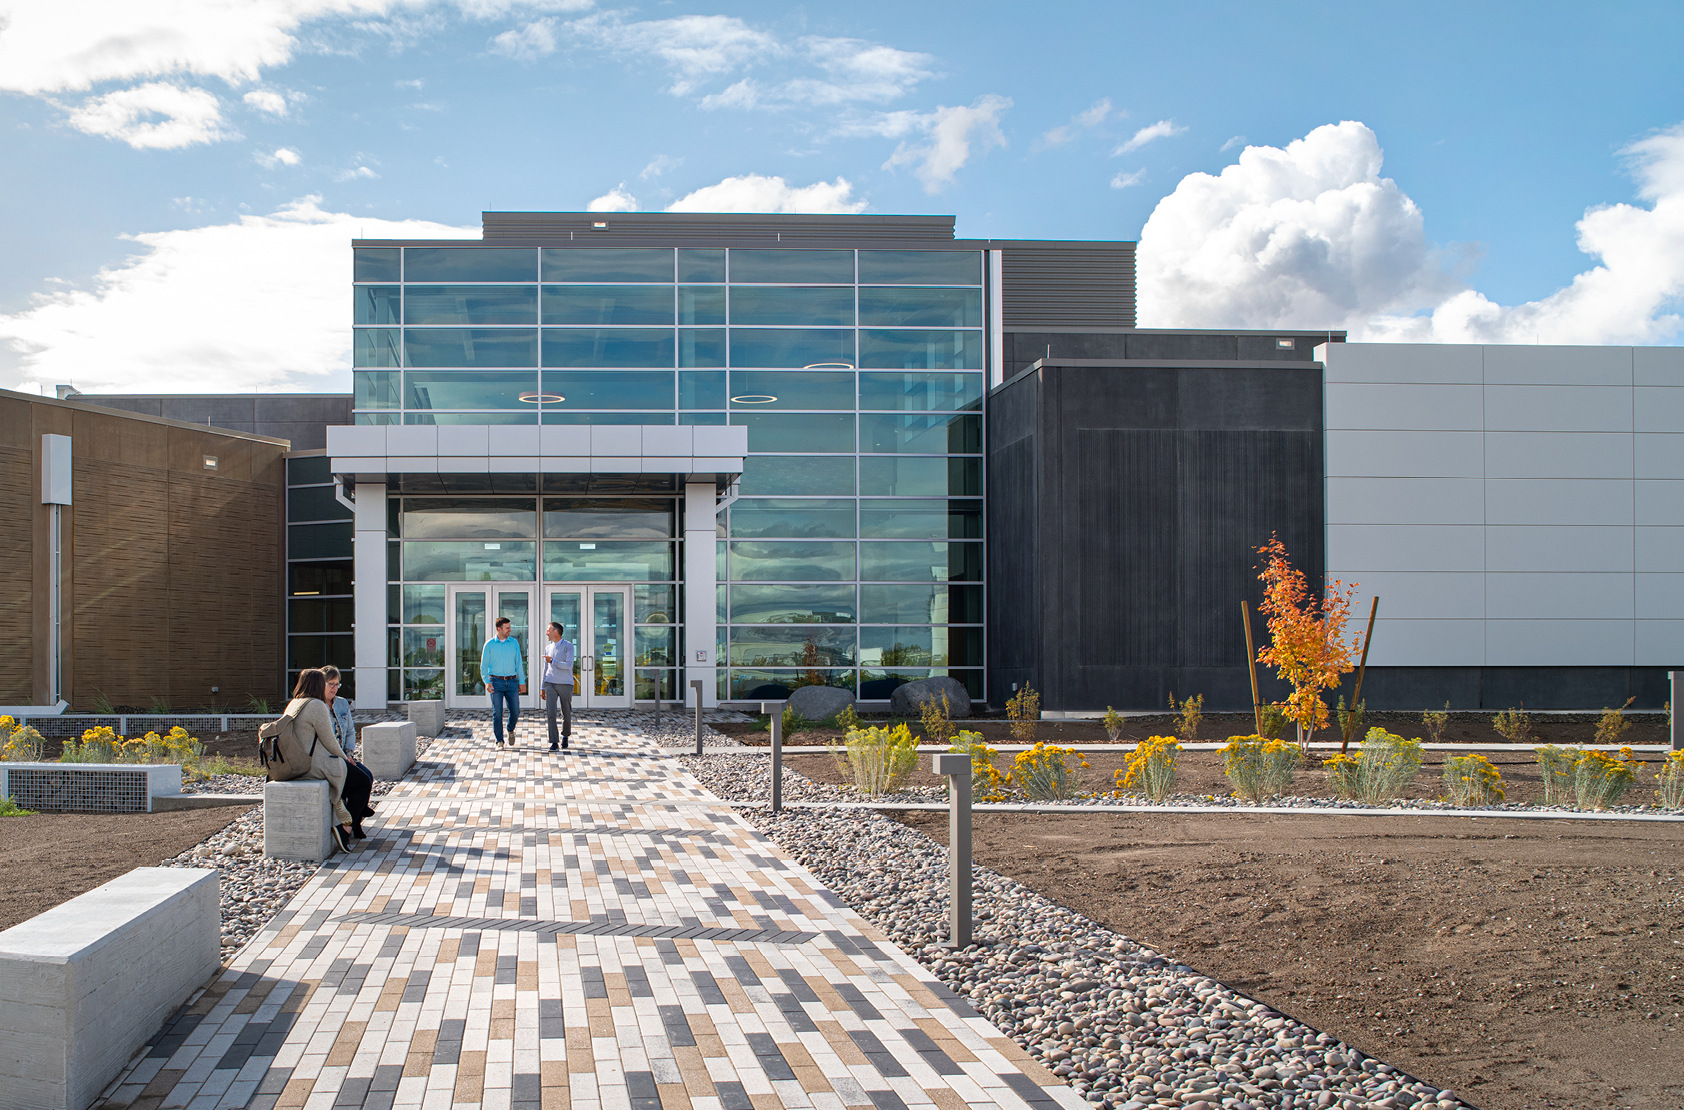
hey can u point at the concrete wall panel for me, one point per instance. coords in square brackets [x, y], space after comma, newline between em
[1451, 363]
[1406, 454]
[1557, 548]
[1442, 407]
[1354, 550]
[1422, 595]
[1519, 364]
[1558, 501]
[1530, 595]
[1557, 408]
[1558, 455]
[1658, 365]
[1560, 643]
[1409, 642]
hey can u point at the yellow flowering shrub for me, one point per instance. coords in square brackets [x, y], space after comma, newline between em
[1559, 768]
[987, 783]
[103, 745]
[1043, 773]
[879, 759]
[1151, 768]
[1379, 771]
[1260, 767]
[19, 744]
[1669, 788]
[1472, 780]
[1600, 779]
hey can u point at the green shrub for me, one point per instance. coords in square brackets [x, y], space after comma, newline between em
[9, 808]
[1113, 722]
[1380, 771]
[1435, 722]
[1024, 709]
[1273, 721]
[1192, 715]
[1514, 725]
[936, 720]
[1669, 788]
[1260, 767]
[1600, 779]
[878, 759]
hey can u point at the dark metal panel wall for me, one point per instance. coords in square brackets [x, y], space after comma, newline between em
[1076, 285]
[1158, 486]
[1014, 603]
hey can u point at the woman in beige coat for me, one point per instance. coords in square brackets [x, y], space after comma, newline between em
[313, 722]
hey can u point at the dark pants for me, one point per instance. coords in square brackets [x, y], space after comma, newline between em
[554, 693]
[504, 691]
[359, 784]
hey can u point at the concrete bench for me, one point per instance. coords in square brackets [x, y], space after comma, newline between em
[297, 820]
[389, 749]
[87, 983]
[427, 716]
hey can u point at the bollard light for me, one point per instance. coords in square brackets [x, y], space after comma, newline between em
[957, 767]
[696, 685]
[775, 711]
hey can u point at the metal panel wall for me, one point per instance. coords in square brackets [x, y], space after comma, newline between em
[1138, 540]
[1074, 285]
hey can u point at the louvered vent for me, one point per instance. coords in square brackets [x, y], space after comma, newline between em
[1068, 285]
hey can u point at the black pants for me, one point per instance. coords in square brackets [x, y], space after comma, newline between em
[359, 785]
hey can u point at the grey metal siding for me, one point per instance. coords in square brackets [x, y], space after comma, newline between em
[668, 228]
[1077, 285]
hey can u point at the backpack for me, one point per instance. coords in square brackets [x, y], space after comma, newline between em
[283, 755]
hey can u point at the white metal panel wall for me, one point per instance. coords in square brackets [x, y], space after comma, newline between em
[1511, 505]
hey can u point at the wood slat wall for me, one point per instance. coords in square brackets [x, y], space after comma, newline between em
[172, 571]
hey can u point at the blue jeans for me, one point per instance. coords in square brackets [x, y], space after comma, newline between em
[504, 690]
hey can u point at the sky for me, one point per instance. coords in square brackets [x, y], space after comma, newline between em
[180, 179]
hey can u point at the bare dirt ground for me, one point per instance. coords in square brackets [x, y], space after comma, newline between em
[1463, 728]
[50, 858]
[1518, 963]
[1200, 773]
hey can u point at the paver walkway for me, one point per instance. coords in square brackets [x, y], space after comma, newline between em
[592, 929]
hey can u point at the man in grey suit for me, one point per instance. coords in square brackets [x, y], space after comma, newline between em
[559, 654]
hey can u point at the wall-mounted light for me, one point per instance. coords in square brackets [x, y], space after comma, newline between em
[1286, 344]
[599, 225]
[210, 462]
[538, 397]
[753, 399]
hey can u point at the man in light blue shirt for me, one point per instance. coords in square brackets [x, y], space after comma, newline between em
[504, 673]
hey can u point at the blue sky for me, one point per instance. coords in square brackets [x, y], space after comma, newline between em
[180, 180]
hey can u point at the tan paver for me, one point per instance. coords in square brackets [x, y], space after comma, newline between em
[527, 930]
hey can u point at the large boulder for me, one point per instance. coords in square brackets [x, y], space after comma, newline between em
[820, 703]
[907, 699]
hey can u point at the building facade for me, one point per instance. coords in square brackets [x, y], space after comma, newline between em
[759, 452]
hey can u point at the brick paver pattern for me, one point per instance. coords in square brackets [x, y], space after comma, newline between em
[588, 929]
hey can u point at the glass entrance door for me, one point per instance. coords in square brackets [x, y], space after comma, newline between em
[598, 621]
[472, 611]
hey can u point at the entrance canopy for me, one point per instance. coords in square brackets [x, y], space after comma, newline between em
[703, 459]
[695, 453]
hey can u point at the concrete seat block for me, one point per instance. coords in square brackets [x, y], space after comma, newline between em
[85, 984]
[428, 717]
[389, 748]
[297, 817]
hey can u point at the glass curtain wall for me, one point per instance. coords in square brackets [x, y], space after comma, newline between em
[585, 536]
[853, 556]
[320, 607]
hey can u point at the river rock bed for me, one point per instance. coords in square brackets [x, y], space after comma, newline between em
[1123, 1026]
[1126, 1028]
[254, 888]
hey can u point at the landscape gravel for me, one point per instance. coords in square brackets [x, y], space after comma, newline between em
[254, 888]
[1125, 1027]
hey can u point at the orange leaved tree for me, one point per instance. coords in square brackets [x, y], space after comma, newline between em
[1306, 645]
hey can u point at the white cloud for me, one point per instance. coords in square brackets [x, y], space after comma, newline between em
[265, 100]
[853, 71]
[527, 43]
[614, 200]
[356, 173]
[755, 193]
[1127, 180]
[693, 47]
[72, 45]
[660, 164]
[1233, 141]
[951, 133]
[1090, 117]
[191, 313]
[1163, 129]
[1313, 236]
[154, 116]
[285, 156]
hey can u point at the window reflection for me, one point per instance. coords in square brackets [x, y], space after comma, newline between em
[608, 304]
[920, 267]
[609, 389]
[608, 347]
[921, 350]
[921, 435]
[376, 304]
[455, 389]
[786, 518]
[792, 306]
[926, 308]
[889, 390]
[470, 346]
[608, 264]
[470, 264]
[470, 518]
[792, 347]
[759, 390]
[775, 266]
[471, 304]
